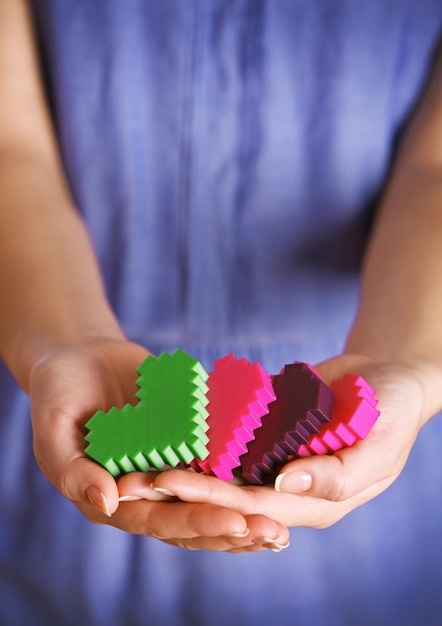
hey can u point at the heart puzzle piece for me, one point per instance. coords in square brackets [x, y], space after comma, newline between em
[239, 395]
[303, 403]
[353, 416]
[167, 425]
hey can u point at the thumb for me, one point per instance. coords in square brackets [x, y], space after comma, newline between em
[60, 457]
[337, 477]
[372, 463]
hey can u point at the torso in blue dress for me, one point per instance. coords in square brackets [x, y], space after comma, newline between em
[227, 157]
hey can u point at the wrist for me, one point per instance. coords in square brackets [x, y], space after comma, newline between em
[36, 345]
[426, 369]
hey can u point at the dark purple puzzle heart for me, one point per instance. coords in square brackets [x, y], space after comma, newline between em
[303, 403]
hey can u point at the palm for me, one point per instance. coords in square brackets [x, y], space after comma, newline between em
[66, 388]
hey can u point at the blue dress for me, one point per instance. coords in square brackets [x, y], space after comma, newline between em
[227, 156]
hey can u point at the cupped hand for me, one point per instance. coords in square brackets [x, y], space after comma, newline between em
[318, 491]
[67, 386]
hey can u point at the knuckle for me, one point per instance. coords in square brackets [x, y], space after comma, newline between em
[194, 520]
[177, 542]
[154, 524]
[337, 491]
[61, 482]
[337, 484]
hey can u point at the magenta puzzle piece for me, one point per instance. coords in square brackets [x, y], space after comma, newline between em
[303, 403]
[239, 394]
[354, 415]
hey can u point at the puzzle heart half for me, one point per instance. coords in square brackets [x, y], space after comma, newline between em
[239, 395]
[167, 425]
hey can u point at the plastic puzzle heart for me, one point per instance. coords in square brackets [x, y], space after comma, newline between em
[239, 395]
[353, 416]
[167, 425]
[303, 403]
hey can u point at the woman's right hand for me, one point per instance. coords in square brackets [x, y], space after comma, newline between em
[67, 386]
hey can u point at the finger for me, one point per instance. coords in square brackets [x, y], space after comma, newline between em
[215, 544]
[182, 520]
[60, 457]
[137, 486]
[261, 529]
[247, 549]
[286, 508]
[267, 532]
[196, 487]
[228, 544]
[254, 541]
[200, 488]
[84, 481]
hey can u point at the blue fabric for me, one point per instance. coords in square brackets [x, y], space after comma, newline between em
[226, 156]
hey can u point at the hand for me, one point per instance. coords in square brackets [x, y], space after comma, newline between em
[318, 491]
[67, 387]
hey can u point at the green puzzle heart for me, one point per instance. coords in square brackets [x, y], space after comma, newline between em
[166, 426]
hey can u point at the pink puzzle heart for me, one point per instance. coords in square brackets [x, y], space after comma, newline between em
[353, 416]
[239, 394]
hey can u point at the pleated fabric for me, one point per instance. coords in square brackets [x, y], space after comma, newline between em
[227, 157]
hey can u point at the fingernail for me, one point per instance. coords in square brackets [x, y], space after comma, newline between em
[296, 481]
[240, 535]
[129, 498]
[265, 540]
[165, 492]
[98, 500]
[271, 544]
[277, 547]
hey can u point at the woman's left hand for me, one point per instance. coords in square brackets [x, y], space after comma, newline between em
[318, 491]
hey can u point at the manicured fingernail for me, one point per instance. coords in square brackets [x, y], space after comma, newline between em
[277, 547]
[270, 544]
[296, 481]
[165, 492]
[240, 535]
[266, 540]
[98, 500]
[129, 498]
